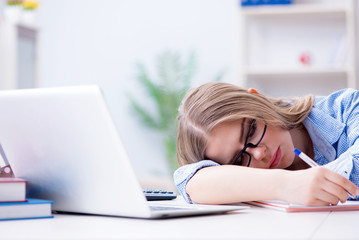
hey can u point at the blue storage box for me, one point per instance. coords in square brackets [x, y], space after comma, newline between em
[264, 2]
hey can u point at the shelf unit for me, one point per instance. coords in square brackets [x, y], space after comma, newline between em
[274, 38]
[18, 54]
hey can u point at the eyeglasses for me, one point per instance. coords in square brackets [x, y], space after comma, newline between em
[243, 158]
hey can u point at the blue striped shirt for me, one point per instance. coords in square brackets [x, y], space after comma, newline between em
[333, 125]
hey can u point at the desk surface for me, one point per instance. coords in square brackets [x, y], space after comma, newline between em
[252, 223]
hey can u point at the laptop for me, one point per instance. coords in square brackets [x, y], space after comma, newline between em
[64, 142]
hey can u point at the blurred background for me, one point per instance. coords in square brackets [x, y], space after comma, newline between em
[142, 51]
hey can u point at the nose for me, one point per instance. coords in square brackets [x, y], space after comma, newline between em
[258, 153]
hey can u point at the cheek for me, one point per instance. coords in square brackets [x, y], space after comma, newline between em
[287, 139]
[282, 137]
[278, 137]
[287, 151]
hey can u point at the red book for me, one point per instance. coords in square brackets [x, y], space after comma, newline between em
[12, 189]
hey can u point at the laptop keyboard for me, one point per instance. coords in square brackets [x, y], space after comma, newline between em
[169, 208]
[155, 195]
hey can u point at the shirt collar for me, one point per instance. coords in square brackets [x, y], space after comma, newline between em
[324, 131]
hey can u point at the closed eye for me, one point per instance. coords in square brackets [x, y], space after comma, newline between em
[253, 130]
[250, 131]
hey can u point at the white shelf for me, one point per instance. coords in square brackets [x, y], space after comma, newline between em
[276, 71]
[293, 9]
[274, 38]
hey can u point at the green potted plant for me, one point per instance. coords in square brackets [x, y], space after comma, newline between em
[166, 91]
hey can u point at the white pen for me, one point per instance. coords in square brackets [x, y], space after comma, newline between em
[311, 163]
[305, 158]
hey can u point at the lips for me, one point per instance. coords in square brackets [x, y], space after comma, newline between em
[276, 157]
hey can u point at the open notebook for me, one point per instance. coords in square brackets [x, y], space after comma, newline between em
[287, 207]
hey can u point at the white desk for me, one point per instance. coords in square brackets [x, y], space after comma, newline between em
[254, 223]
[339, 225]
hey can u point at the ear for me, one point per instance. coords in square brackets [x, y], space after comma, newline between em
[252, 90]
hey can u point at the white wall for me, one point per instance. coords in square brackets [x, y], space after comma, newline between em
[2, 7]
[99, 42]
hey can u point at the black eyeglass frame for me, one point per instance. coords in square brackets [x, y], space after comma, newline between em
[249, 145]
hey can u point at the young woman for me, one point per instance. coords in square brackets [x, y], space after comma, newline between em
[237, 145]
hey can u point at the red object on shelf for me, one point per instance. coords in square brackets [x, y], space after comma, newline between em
[305, 59]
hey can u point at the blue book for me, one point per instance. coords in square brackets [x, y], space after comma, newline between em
[30, 209]
[264, 2]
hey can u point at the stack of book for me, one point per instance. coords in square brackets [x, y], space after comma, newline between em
[15, 205]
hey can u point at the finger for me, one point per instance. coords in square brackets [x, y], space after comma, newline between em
[342, 182]
[320, 202]
[336, 192]
[327, 198]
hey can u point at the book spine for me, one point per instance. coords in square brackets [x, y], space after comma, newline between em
[28, 218]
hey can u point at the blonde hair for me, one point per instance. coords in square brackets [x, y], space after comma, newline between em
[210, 104]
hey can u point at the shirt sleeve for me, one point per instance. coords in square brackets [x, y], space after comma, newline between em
[351, 115]
[183, 174]
[347, 164]
[342, 165]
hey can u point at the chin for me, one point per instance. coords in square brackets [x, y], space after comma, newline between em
[286, 163]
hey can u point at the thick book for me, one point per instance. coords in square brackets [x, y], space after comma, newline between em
[287, 207]
[12, 189]
[30, 209]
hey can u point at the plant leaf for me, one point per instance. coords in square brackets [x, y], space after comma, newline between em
[144, 115]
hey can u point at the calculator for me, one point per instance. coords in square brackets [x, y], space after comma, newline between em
[155, 195]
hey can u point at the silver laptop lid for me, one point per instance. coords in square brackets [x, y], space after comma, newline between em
[64, 142]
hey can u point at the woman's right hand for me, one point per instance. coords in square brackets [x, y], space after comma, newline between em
[316, 186]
